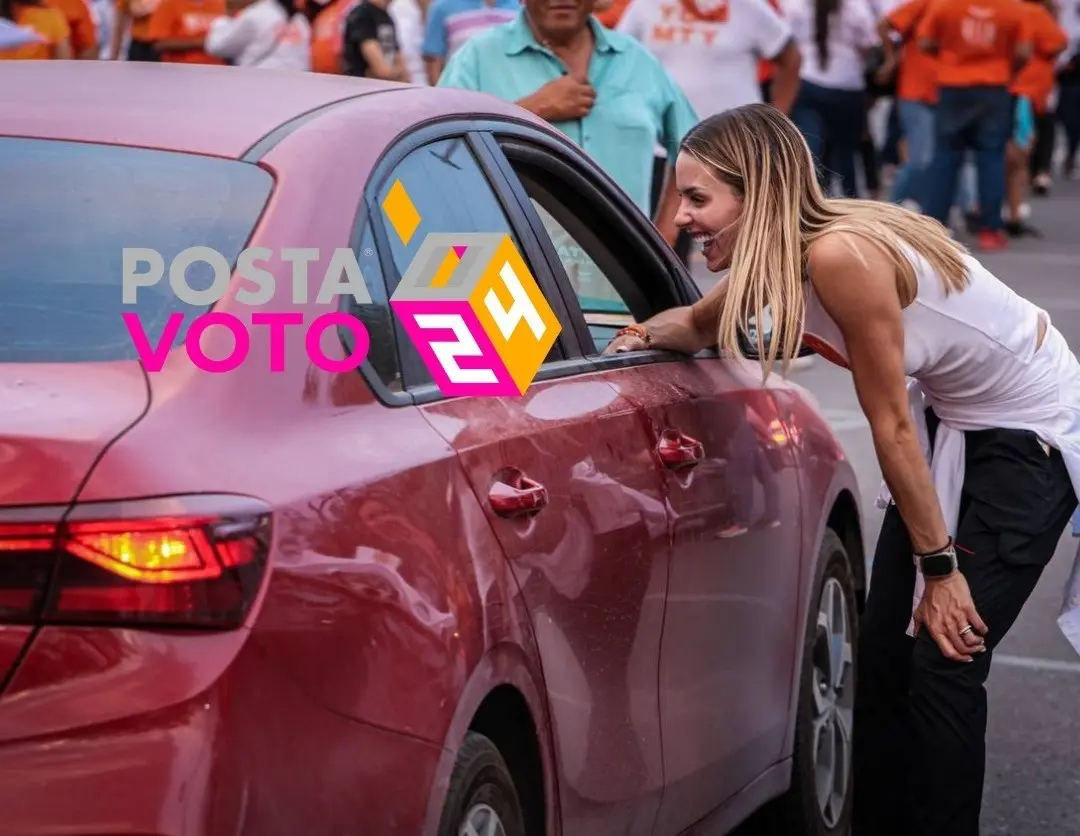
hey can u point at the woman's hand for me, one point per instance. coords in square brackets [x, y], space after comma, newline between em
[947, 612]
[627, 342]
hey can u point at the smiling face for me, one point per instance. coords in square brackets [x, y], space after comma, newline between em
[709, 210]
[559, 19]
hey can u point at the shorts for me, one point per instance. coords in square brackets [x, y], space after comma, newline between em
[1023, 121]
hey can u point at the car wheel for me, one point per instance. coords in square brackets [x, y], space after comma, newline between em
[818, 803]
[481, 800]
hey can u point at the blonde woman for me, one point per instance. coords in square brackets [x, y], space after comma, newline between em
[995, 393]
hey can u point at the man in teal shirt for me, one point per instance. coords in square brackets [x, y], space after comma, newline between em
[602, 89]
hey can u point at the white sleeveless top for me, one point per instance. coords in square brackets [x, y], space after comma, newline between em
[971, 357]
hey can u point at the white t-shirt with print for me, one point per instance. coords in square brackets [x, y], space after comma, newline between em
[262, 35]
[852, 31]
[714, 62]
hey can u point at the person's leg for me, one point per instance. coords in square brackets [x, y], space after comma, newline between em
[890, 151]
[1069, 114]
[847, 124]
[1042, 158]
[1018, 500]
[868, 152]
[808, 116]
[881, 717]
[949, 145]
[995, 126]
[917, 119]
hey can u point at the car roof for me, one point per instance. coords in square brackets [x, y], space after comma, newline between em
[213, 110]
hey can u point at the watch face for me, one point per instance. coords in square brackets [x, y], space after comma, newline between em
[936, 565]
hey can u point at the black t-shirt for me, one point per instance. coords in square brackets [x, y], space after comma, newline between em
[368, 22]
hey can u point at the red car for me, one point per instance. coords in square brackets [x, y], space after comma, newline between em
[302, 602]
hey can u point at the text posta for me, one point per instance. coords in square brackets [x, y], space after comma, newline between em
[342, 277]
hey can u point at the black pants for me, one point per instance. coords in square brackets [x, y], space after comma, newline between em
[659, 172]
[142, 51]
[832, 122]
[1068, 113]
[920, 719]
[1042, 156]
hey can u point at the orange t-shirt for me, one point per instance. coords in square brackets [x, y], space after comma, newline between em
[328, 36]
[48, 23]
[1037, 77]
[976, 39]
[140, 12]
[80, 18]
[185, 19]
[611, 16]
[917, 81]
[766, 68]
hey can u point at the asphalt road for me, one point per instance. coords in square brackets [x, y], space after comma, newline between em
[1033, 739]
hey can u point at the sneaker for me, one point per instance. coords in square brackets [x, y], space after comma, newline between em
[1021, 229]
[731, 531]
[992, 241]
[1041, 185]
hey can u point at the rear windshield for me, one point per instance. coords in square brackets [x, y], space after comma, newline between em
[68, 210]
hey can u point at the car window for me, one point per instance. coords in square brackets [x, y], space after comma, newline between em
[614, 286]
[67, 212]
[604, 309]
[437, 188]
[377, 317]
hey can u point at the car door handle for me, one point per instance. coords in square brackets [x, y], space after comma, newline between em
[516, 494]
[677, 450]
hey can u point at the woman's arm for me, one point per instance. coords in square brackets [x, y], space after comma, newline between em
[229, 36]
[856, 283]
[687, 329]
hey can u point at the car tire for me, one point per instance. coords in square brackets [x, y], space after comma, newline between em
[481, 788]
[825, 709]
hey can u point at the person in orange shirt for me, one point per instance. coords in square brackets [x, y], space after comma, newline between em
[328, 36]
[178, 30]
[916, 98]
[610, 12]
[1033, 84]
[83, 25]
[134, 16]
[46, 22]
[979, 45]
[767, 68]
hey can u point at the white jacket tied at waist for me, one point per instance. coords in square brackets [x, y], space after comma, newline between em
[947, 462]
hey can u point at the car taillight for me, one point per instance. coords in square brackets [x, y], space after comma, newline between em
[176, 561]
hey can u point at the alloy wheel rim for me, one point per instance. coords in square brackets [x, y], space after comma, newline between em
[481, 820]
[834, 701]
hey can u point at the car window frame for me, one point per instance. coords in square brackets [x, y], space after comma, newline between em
[424, 390]
[558, 157]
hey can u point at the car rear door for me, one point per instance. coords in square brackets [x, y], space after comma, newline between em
[571, 491]
[729, 480]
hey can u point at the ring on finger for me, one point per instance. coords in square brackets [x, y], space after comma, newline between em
[967, 629]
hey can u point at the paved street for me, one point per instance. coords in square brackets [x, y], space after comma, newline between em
[1033, 745]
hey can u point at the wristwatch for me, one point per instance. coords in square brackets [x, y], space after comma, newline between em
[938, 563]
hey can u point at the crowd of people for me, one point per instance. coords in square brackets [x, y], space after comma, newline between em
[973, 91]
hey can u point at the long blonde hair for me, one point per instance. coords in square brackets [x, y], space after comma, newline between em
[760, 153]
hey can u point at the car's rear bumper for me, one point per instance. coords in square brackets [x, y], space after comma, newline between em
[250, 755]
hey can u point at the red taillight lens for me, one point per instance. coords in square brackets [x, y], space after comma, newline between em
[195, 570]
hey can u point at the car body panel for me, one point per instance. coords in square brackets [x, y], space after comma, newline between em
[725, 668]
[592, 566]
